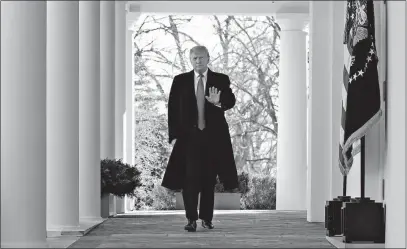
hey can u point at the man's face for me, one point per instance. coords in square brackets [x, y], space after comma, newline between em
[199, 60]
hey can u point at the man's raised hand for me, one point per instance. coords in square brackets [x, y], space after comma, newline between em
[214, 95]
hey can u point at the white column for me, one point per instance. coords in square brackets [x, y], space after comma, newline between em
[129, 117]
[405, 113]
[338, 25]
[131, 17]
[120, 84]
[320, 120]
[395, 163]
[107, 80]
[62, 116]
[129, 133]
[89, 111]
[120, 75]
[23, 124]
[291, 153]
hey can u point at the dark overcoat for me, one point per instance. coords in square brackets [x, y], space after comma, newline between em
[182, 120]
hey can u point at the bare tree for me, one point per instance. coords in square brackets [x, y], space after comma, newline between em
[165, 56]
[249, 46]
[247, 52]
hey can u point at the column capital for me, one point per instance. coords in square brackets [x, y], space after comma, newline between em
[292, 21]
[132, 15]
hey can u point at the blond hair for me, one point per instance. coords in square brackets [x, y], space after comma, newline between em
[198, 48]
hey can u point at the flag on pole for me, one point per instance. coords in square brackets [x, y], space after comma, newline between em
[360, 88]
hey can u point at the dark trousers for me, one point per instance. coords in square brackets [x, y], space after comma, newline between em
[198, 178]
[191, 195]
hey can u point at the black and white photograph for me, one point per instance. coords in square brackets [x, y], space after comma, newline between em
[203, 124]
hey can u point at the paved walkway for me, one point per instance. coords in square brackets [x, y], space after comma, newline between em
[232, 229]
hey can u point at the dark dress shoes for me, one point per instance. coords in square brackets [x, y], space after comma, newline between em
[191, 226]
[207, 224]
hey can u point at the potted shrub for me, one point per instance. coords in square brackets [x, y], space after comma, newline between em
[224, 200]
[230, 200]
[117, 179]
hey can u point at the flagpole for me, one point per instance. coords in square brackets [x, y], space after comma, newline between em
[344, 185]
[362, 168]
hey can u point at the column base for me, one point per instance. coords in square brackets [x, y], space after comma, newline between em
[94, 219]
[337, 242]
[291, 209]
[291, 206]
[86, 225]
[59, 231]
[43, 244]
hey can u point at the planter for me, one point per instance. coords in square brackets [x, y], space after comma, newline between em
[104, 206]
[120, 205]
[223, 201]
[112, 205]
[108, 206]
[227, 201]
[130, 202]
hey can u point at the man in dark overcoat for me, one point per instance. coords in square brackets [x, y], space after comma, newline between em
[202, 148]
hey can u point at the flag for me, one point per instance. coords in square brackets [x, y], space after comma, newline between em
[360, 86]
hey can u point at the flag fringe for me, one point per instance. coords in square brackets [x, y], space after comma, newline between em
[358, 134]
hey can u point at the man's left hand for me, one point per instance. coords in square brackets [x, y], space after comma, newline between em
[213, 95]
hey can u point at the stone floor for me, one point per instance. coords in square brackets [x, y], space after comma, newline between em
[280, 229]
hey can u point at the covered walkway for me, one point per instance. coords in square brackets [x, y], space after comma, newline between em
[279, 229]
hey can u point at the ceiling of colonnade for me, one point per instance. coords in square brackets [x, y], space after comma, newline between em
[220, 7]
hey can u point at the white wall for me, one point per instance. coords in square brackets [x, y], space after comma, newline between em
[395, 161]
[405, 110]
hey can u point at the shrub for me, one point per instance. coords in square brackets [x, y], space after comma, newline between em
[262, 194]
[118, 178]
[243, 179]
[163, 199]
[154, 197]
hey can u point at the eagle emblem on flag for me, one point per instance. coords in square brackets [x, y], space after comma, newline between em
[360, 86]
